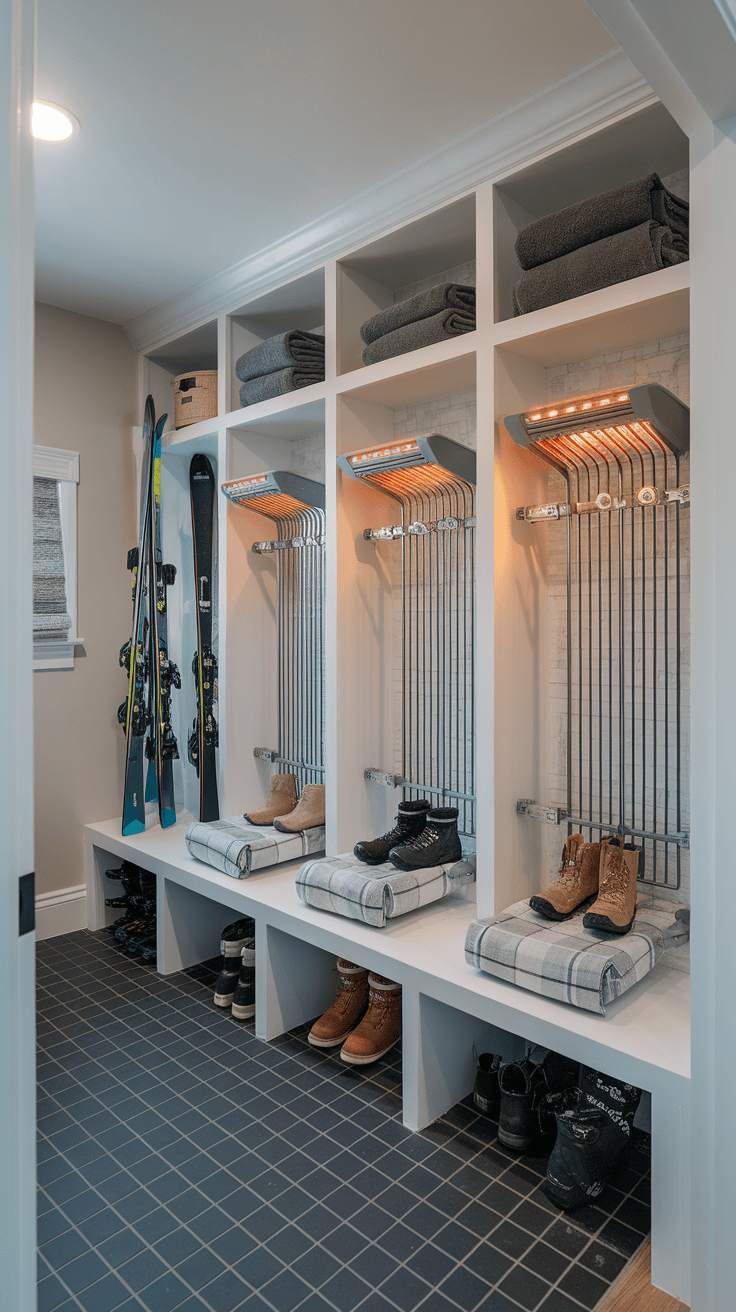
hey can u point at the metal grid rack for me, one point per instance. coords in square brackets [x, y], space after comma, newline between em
[626, 527]
[296, 505]
[432, 478]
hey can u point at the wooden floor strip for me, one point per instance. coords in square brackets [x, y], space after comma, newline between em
[634, 1291]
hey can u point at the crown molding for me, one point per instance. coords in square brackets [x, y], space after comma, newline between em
[595, 94]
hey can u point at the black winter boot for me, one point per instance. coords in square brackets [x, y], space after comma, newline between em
[410, 823]
[227, 982]
[438, 844]
[594, 1125]
[244, 998]
[486, 1093]
[233, 936]
[524, 1088]
[129, 876]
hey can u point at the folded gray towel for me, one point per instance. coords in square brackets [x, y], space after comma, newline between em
[438, 328]
[306, 350]
[445, 296]
[601, 264]
[601, 216]
[277, 384]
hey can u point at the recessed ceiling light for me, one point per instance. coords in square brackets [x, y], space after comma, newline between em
[50, 122]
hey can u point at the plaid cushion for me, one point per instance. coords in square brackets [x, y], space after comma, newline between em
[344, 885]
[237, 848]
[585, 967]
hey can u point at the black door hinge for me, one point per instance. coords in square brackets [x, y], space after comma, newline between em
[26, 904]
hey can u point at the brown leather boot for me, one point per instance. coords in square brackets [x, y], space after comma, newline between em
[380, 1028]
[577, 882]
[346, 1011]
[309, 812]
[281, 799]
[615, 906]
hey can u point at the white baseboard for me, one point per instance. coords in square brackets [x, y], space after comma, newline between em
[61, 912]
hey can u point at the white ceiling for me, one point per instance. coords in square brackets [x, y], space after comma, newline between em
[209, 131]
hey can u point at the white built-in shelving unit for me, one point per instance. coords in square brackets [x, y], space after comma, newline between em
[645, 1037]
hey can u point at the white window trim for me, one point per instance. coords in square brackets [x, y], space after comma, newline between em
[63, 467]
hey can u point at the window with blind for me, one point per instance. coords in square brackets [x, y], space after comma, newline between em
[55, 480]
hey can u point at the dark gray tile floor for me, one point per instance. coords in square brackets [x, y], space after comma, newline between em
[183, 1164]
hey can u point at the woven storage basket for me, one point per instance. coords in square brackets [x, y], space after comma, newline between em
[195, 397]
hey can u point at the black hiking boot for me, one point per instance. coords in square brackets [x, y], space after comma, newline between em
[438, 844]
[486, 1093]
[228, 978]
[233, 936]
[134, 941]
[129, 876]
[148, 951]
[244, 998]
[524, 1087]
[136, 923]
[594, 1124]
[410, 823]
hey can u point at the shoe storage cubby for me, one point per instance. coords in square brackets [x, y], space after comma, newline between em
[437, 248]
[647, 142]
[624, 335]
[297, 305]
[373, 645]
[642, 651]
[195, 350]
[292, 441]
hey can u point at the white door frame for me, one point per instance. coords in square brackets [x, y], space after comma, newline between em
[17, 1009]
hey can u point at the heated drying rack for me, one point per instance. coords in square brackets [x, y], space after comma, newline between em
[626, 541]
[432, 478]
[297, 506]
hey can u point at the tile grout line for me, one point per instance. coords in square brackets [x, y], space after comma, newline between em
[159, 997]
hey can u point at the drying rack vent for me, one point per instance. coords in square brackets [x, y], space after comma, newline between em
[412, 465]
[642, 418]
[277, 494]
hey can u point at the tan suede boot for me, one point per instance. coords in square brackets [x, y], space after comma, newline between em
[615, 906]
[346, 1011]
[309, 812]
[281, 799]
[380, 1028]
[577, 882]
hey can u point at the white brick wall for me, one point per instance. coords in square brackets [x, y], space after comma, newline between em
[308, 457]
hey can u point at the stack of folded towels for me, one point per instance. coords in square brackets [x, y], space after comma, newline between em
[620, 234]
[279, 365]
[437, 315]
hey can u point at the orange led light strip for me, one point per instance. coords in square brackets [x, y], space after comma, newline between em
[577, 407]
[239, 484]
[381, 452]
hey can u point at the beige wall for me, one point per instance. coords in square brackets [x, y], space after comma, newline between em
[85, 401]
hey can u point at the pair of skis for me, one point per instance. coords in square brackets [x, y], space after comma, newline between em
[146, 712]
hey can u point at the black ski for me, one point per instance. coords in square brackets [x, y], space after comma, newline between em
[164, 674]
[132, 714]
[203, 739]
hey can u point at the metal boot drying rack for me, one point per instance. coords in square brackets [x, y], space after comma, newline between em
[626, 532]
[433, 480]
[297, 506]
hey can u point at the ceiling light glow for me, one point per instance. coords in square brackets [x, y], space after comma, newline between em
[50, 122]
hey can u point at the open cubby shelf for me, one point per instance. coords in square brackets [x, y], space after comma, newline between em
[503, 367]
[194, 350]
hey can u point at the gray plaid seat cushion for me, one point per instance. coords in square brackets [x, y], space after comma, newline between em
[237, 848]
[585, 967]
[375, 894]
